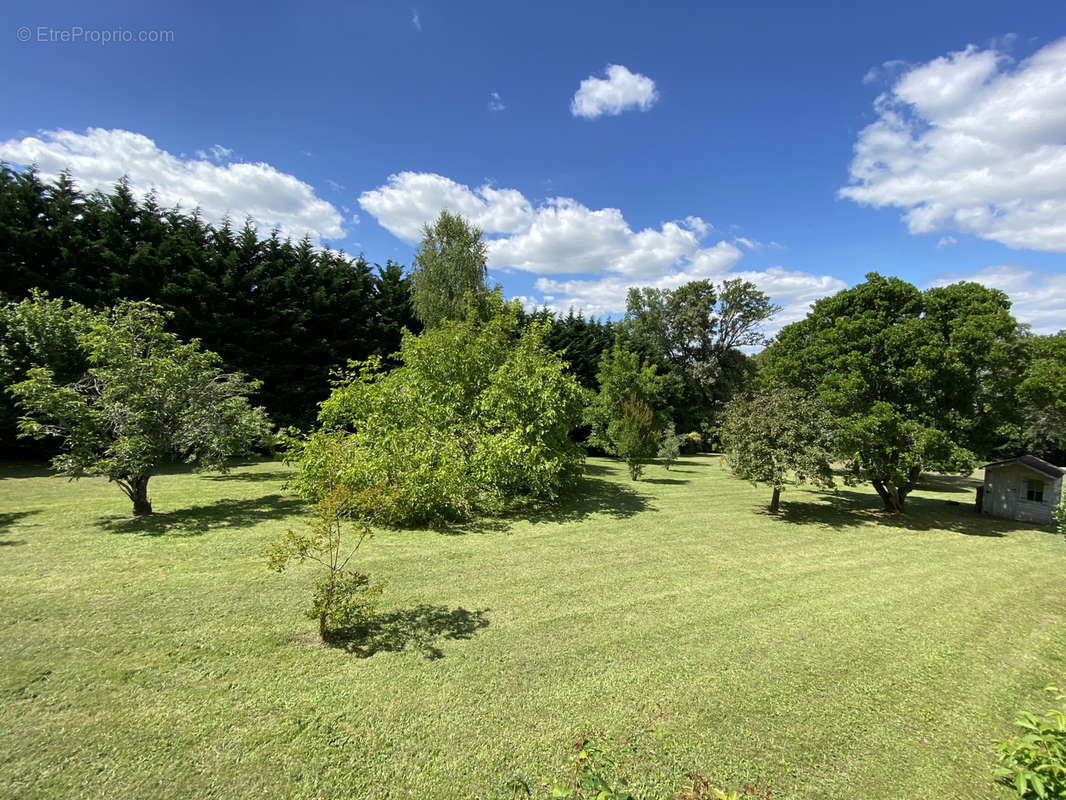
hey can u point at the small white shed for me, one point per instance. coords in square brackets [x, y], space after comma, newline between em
[1026, 488]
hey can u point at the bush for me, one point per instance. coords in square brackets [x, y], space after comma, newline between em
[475, 419]
[1034, 763]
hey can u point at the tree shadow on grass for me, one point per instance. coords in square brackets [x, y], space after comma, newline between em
[587, 497]
[18, 469]
[846, 509]
[9, 519]
[252, 477]
[421, 628]
[198, 520]
[665, 481]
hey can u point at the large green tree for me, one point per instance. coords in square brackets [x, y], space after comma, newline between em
[903, 373]
[449, 270]
[696, 331]
[145, 399]
[778, 436]
[1041, 397]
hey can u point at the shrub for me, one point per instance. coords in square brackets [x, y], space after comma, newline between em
[476, 418]
[1034, 763]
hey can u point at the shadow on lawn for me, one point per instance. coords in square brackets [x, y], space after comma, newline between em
[252, 477]
[198, 520]
[846, 509]
[420, 628]
[586, 497]
[9, 519]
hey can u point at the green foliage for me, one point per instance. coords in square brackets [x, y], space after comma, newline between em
[448, 279]
[669, 446]
[622, 415]
[907, 376]
[340, 598]
[145, 399]
[1034, 762]
[695, 332]
[475, 418]
[1041, 397]
[286, 313]
[38, 332]
[777, 436]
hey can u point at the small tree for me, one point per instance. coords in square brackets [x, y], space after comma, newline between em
[623, 416]
[146, 398]
[775, 434]
[669, 446]
[340, 597]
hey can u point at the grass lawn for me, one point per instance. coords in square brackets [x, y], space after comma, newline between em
[830, 652]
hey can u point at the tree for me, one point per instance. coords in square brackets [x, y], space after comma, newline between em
[902, 373]
[669, 446]
[1060, 513]
[696, 331]
[624, 416]
[1041, 397]
[475, 417]
[778, 436]
[449, 270]
[341, 597]
[38, 332]
[145, 399]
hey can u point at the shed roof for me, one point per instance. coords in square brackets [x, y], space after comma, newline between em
[1039, 464]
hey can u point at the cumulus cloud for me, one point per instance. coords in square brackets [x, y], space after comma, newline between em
[592, 256]
[98, 158]
[973, 143]
[496, 102]
[1038, 298]
[620, 91]
[409, 200]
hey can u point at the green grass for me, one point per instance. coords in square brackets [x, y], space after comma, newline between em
[831, 652]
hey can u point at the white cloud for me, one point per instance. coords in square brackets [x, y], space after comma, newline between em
[416, 20]
[750, 244]
[620, 91]
[1038, 298]
[411, 199]
[592, 255]
[946, 241]
[98, 158]
[496, 102]
[337, 187]
[972, 143]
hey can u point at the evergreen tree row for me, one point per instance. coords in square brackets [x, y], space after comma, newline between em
[283, 312]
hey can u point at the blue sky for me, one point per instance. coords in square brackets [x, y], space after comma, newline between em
[717, 144]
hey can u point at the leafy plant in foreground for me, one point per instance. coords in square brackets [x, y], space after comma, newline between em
[1034, 762]
[669, 446]
[341, 597]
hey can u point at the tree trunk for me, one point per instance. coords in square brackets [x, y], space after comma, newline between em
[775, 501]
[892, 496]
[141, 504]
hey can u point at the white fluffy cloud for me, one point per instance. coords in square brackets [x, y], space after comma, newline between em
[98, 158]
[972, 143]
[411, 199]
[592, 255]
[1038, 298]
[620, 91]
